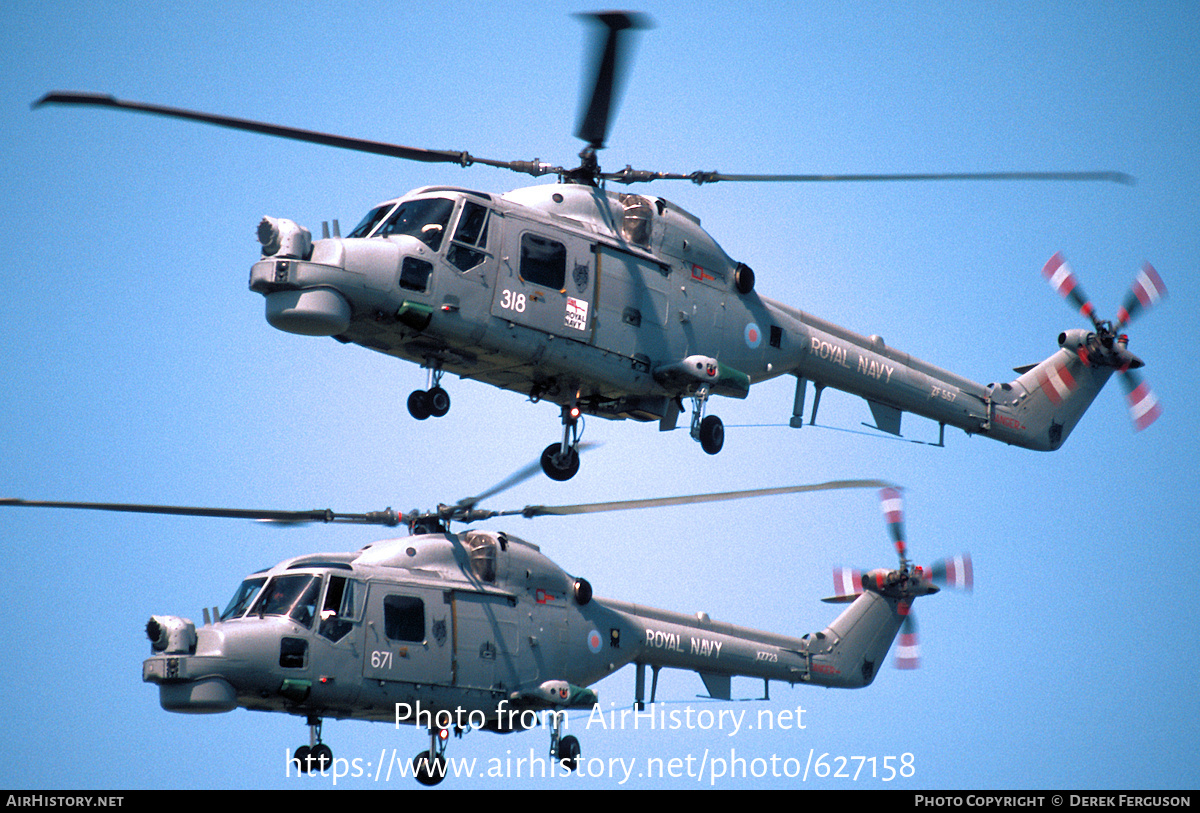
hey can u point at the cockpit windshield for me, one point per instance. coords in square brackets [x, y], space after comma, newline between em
[242, 598]
[372, 219]
[425, 219]
[293, 595]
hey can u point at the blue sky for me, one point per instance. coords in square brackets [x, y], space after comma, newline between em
[139, 368]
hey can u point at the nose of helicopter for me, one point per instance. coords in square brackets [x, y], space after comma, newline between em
[317, 312]
[186, 667]
[300, 295]
[300, 280]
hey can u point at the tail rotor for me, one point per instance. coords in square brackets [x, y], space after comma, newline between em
[1108, 346]
[905, 583]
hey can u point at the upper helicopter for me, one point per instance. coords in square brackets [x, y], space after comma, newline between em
[621, 305]
[479, 630]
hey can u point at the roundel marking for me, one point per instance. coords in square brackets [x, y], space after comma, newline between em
[593, 641]
[753, 336]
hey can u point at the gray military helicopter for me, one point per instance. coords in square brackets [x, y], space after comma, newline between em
[479, 630]
[620, 305]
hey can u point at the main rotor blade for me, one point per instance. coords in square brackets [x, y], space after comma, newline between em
[531, 511]
[385, 517]
[630, 175]
[608, 71]
[464, 159]
[593, 128]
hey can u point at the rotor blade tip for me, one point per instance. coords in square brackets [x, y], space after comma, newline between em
[619, 20]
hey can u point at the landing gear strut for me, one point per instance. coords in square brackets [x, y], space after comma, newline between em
[708, 430]
[316, 756]
[433, 401]
[564, 749]
[560, 461]
[429, 767]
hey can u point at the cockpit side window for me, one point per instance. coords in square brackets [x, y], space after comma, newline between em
[372, 219]
[242, 598]
[294, 596]
[470, 235]
[340, 609]
[425, 218]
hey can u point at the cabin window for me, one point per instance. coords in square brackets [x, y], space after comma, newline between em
[471, 233]
[294, 596]
[242, 598]
[404, 618]
[372, 219]
[425, 219]
[543, 261]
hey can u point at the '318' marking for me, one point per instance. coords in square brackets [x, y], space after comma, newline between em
[512, 301]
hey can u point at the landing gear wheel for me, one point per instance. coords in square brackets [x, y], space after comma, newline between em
[568, 752]
[558, 467]
[712, 434]
[418, 405]
[429, 770]
[321, 757]
[439, 402]
[302, 758]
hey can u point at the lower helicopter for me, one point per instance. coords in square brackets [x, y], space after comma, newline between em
[480, 630]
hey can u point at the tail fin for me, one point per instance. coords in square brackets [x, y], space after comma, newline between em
[849, 652]
[1040, 408]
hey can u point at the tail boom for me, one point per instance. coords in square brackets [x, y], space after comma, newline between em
[1035, 411]
[846, 654]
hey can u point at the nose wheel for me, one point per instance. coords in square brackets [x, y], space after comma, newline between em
[433, 401]
[560, 461]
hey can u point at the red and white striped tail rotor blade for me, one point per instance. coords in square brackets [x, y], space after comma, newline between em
[1062, 279]
[892, 503]
[956, 572]
[1057, 382]
[847, 582]
[1147, 290]
[1144, 408]
[908, 647]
